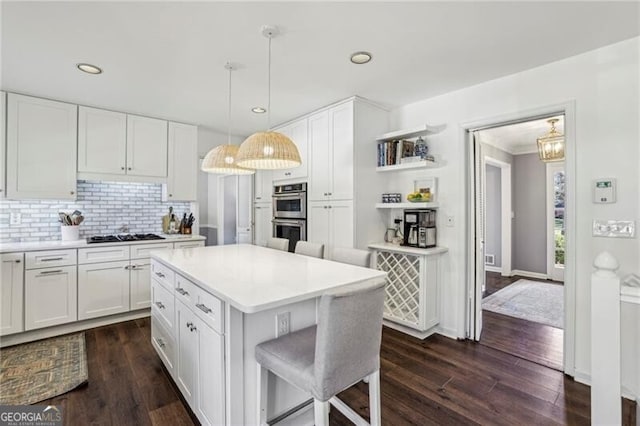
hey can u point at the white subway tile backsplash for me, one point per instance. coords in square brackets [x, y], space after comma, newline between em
[106, 206]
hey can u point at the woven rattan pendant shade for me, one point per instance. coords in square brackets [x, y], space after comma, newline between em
[268, 150]
[222, 159]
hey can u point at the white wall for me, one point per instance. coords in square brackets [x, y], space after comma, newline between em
[493, 212]
[604, 86]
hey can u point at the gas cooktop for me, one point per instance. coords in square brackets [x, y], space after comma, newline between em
[122, 238]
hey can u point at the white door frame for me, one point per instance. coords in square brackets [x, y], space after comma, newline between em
[552, 272]
[568, 109]
[505, 212]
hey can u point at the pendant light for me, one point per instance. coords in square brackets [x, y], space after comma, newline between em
[222, 158]
[551, 145]
[268, 150]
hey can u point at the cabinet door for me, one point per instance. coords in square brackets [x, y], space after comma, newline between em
[11, 290]
[50, 297]
[187, 338]
[318, 223]
[3, 143]
[140, 285]
[262, 186]
[41, 148]
[103, 289]
[319, 179]
[102, 141]
[146, 146]
[297, 132]
[341, 155]
[210, 400]
[262, 227]
[340, 226]
[182, 180]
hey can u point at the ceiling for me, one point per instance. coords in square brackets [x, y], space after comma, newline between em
[166, 59]
[520, 138]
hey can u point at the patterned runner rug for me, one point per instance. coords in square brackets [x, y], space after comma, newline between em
[529, 300]
[36, 371]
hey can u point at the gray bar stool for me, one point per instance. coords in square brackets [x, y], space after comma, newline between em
[327, 358]
[310, 249]
[278, 243]
[352, 256]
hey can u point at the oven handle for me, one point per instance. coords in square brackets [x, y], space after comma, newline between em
[288, 222]
[289, 195]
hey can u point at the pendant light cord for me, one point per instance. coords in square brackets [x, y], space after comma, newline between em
[230, 68]
[269, 86]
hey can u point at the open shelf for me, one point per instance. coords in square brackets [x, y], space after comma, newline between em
[424, 130]
[424, 164]
[408, 205]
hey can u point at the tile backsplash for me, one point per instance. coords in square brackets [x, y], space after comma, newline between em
[106, 206]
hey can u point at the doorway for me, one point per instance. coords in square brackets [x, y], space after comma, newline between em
[234, 209]
[517, 243]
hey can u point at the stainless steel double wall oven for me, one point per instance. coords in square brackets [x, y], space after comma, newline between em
[290, 213]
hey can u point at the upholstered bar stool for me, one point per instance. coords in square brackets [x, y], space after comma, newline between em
[327, 358]
[310, 249]
[352, 256]
[278, 243]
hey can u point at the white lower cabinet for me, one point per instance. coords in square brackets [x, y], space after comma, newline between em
[103, 289]
[187, 366]
[331, 224]
[210, 392]
[11, 293]
[50, 297]
[140, 290]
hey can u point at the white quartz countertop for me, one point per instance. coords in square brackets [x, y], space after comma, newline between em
[82, 243]
[253, 278]
[408, 250]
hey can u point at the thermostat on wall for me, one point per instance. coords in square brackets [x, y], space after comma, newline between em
[604, 190]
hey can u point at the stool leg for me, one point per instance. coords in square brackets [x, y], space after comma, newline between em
[261, 400]
[374, 398]
[321, 412]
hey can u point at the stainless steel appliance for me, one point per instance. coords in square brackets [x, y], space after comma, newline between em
[420, 228]
[290, 213]
[290, 201]
[122, 238]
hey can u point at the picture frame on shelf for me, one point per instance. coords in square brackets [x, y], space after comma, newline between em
[429, 184]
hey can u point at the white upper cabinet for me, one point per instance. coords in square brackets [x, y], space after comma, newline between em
[341, 152]
[41, 148]
[262, 186]
[297, 132]
[182, 181]
[319, 179]
[3, 143]
[146, 146]
[102, 141]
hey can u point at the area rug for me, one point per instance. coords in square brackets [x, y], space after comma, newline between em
[529, 300]
[36, 371]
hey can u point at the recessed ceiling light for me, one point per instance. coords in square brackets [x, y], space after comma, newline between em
[89, 69]
[259, 110]
[361, 58]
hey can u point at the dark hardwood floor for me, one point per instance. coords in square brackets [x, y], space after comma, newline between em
[532, 341]
[436, 381]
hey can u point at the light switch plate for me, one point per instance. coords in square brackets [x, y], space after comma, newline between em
[614, 228]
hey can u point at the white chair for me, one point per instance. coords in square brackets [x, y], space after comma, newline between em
[327, 358]
[352, 256]
[310, 249]
[278, 244]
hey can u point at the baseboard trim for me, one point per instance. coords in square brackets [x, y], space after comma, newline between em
[58, 330]
[529, 274]
[408, 330]
[585, 379]
[493, 268]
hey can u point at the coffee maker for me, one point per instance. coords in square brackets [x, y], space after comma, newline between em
[420, 228]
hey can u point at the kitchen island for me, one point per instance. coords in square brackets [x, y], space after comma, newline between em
[213, 305]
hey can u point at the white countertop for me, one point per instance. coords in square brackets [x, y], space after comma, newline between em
[82, 243]
[409, 250]
[253, 278]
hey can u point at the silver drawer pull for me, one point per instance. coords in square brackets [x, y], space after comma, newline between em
[134, 266]
[203, 308]
[160, 305]
[18, 261]
[189, 325]
[57, 271]
[127, 267]
[192, 328]
[160, 274]
[182, 291]
[161, 343]
[51, 259]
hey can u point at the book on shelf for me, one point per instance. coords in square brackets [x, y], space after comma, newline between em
[391, 153]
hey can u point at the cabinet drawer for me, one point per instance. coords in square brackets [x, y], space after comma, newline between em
[186, 291]
[162, 306]
[50, 258]
[164, 343]
[103, 254]
[188, 244]
[163, 274]
[209, 309]
[141, 251]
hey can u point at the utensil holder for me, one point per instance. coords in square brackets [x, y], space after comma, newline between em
[70, 233]
[186, 231]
